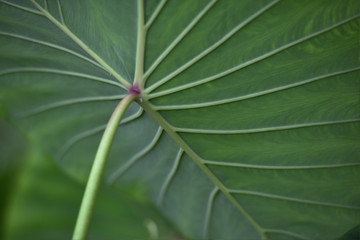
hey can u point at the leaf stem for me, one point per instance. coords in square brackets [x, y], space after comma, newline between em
[97, 170]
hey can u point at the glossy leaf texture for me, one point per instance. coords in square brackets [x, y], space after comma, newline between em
[251, 121]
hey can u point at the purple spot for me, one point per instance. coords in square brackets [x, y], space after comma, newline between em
[134, 89]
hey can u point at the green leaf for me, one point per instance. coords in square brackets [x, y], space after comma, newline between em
[43, 203]
[12, 148]
[251, 121]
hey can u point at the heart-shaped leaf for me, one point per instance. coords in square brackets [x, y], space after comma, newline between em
[251, 121]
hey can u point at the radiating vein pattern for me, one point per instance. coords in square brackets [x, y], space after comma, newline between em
[255, 104]
[274, 122]
[122, 169]
[80, 43]
[211, 48]
[252, 95]
[259, 58]
[178, 39]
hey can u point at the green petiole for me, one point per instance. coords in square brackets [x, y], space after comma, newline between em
[97, 170]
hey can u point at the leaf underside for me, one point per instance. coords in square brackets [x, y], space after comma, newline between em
[251, 121]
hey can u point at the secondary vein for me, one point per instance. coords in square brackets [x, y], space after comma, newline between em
[69, 33]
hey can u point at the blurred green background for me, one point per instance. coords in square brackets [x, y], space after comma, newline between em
[38, 201]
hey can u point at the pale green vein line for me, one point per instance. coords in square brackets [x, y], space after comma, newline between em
[155, 14]
[262, 57]
[272, 167]
[265, 129]
[212, 47]
[172, 45]
[83, 135]
[52, 46]
[60, 72]
[68, 32]
[175, 136]
[291, 199]
[288, 233]
[73, 140]
[136, 157]
[209, 209]
[60, 12]
[170, 176]
[68, 102]
[248, 96]
[22, 8]
[140, 46]
[45, 5]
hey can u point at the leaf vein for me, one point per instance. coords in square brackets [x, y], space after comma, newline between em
[244, 97]
[136, 157]
[264, 129]
[211, 48]
[60, 12]
[68, 102]
[85, 134]
[60, 72]
[272, 167]
[178, 39]
[22, 8]
[170, 176]
[73, 140]
[52, 46]
[288, 233]
[262, 57]
[140, 45]
[45, 5]
[78, 41]
[209, 209]
[291, 199]
[175, 136]
[155, 14]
